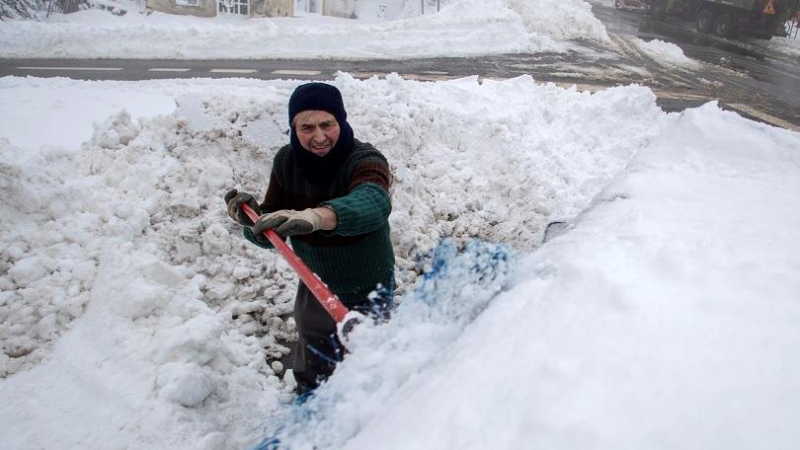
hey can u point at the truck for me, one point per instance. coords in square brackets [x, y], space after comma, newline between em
[731, 18]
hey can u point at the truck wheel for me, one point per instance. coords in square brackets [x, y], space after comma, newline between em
[725, 25]
[705, 20]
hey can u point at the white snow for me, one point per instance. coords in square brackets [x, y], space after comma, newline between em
[666, 53]
[66, 113]
[135, 316]
[461, 28]
[665, 318]
[786, 45]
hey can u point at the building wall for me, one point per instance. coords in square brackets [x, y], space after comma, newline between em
[308, 6]
[340, 8]
[208, 8]
[384, 9]
[204, 8]
[273, 8]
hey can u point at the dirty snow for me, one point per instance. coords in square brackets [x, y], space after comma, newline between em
[787, 45]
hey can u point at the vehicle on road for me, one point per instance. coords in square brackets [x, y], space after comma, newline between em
[731, 18]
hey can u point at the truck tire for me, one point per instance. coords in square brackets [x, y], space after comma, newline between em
[705, 20]
[725, 25]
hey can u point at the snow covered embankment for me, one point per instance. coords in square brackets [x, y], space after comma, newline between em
[462, 28]
[163, 315]
[665, 318]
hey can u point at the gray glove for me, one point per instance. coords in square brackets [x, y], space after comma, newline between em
[234, 201]
[287, 222]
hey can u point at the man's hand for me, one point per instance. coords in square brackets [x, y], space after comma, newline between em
[288, 222]
[234, 201]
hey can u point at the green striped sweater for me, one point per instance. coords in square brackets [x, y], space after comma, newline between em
[353, 258]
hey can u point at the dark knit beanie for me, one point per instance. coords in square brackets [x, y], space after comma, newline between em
[317, 96]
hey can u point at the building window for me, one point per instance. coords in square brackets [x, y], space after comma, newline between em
[233, 7]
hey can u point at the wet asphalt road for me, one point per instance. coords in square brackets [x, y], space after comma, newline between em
[737, 73]
[743, 76]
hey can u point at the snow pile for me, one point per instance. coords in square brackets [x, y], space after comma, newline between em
[787, 45]
[548, 22]
[666, 53]
[456, 288]
[78, 247]
[50, 120]
[560, 20]
[564, 144]
[230, 142]
[135, 315]
[150, 309]
[665, 318]
[463, 28]
[608, 3]
[50, 283]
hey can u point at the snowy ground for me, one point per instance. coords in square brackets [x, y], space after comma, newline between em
[462, 28]
[134, 315]
[135, 312]
[787, 45]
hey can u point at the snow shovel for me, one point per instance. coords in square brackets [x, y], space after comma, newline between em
[333, 306]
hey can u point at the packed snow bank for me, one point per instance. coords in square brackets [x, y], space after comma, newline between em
[664, 318]
[456, 288]
[141, 316]
[788, 46]
[670, 304]
[462, 28]
[63, 117]
[561, 20]
[608, 3]
[666, 53]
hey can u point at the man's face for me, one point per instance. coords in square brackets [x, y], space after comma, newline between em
[318, 131]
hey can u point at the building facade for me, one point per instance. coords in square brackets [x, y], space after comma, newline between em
[352, 9]
[212, 8]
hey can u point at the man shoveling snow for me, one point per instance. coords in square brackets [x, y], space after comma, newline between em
[329, 192]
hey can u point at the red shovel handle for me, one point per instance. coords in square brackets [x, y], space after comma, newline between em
[326, 298]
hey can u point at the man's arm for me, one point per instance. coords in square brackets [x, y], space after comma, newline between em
[367, 207]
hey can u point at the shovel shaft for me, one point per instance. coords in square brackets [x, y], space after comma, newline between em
[326, 298]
